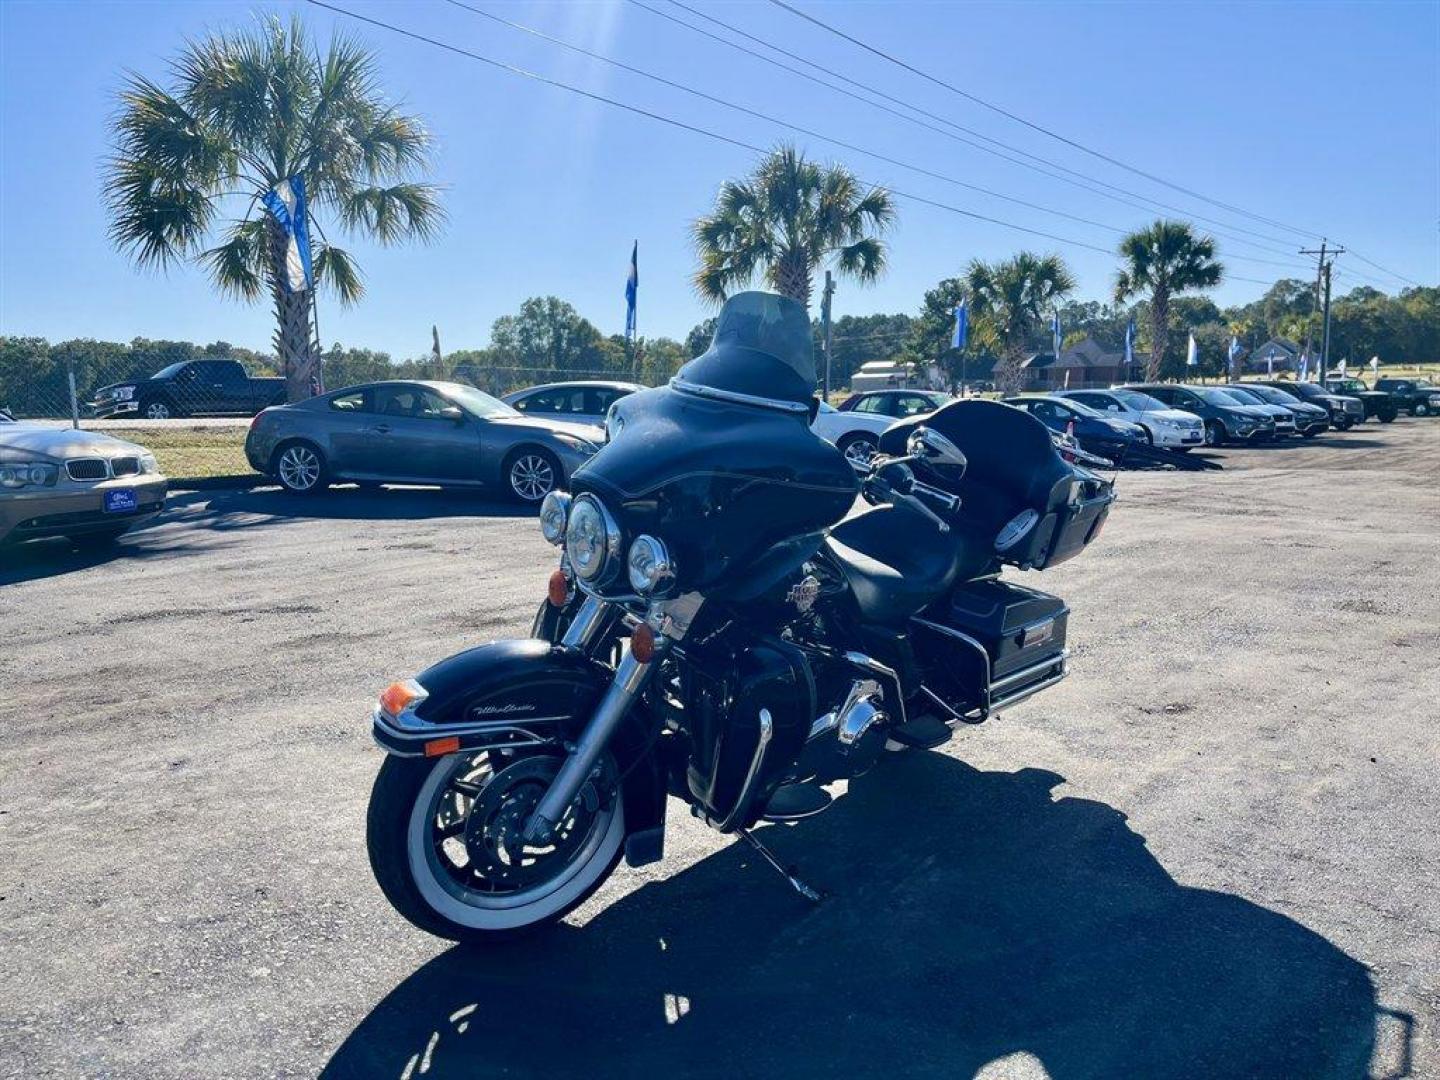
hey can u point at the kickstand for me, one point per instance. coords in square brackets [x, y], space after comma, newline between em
[808, 892]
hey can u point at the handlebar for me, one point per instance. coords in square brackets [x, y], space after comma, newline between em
[891, 480]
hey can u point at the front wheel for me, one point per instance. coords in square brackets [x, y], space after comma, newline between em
[1214, 433]
[445, 846]
[1420, 410]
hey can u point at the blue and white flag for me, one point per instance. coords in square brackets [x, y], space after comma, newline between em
[1192, 354]
[1374, 365]
[632, 288]
[1130, 344]
[1304, 366]
[1055, 332]
[962, 327]
[1231, 354]
[286, 203]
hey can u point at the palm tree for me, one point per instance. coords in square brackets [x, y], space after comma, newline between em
[1009, 300]
[1165, 259]
[789, 217]
[245, 112]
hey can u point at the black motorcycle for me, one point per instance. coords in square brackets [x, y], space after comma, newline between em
[721, 632]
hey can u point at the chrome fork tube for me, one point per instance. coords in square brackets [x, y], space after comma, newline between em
[580, 634]
[630, 678]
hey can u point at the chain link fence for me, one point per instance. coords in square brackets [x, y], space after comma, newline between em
[191, 405]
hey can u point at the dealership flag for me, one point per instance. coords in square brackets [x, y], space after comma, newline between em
[1055, 332]
[1232, 354]
[1342, 369]
[1374, 364]
[1130, 343]
[286, 203]
[1192, 354]
[962, 327]
[632, 287]
[1304, 366]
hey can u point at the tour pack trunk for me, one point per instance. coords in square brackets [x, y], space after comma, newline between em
[990, 644]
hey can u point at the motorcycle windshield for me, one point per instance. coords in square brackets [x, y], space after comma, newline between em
[762, 348]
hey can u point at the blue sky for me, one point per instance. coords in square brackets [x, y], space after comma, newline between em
[1321, 115]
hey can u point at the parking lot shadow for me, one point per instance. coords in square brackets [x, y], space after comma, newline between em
[52, 558]
[251, 507]
[972, 917]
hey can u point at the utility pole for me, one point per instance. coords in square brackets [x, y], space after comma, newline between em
[825, 326]
[1325, 260]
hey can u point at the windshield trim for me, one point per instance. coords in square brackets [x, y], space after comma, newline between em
[685, 386]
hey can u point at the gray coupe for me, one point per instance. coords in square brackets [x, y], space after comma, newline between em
[416, 433]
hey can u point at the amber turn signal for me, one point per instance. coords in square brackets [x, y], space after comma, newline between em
[642, 643]
[558, 591]
[399, 696]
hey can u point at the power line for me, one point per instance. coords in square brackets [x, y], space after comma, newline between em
[1043, 167]
[1382, 269]
[784, 123]
[693, 128]
[1034, 126]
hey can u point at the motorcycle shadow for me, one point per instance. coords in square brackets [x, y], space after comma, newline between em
[972, 917]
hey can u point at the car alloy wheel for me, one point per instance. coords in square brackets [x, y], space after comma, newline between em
[859, 449]
[531, 477]
[157, 410]
[1214, 434]
[299, 468]
[1422, 409]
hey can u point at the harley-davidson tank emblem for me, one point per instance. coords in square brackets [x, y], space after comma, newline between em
[804, 592]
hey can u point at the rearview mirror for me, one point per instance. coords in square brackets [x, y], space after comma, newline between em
[453, 414]
[930, 446]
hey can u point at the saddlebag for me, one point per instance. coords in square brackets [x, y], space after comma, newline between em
[990, 644]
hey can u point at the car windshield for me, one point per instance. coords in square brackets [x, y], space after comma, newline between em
[1216, 396]
[1083, 409]
[1134, 399]
[169, 371]
[1265, 393]
[479, 403]
[1244, 395]
[1424, 384]
[1304, 390]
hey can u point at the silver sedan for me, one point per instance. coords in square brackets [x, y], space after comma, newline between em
[417, 433]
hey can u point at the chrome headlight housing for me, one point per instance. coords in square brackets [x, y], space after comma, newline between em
[592, 541]
[148, 465]
[554, 514]
[652, 572]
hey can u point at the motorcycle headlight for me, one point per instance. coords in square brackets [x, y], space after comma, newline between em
[651, 570]
[592, 541]
[554, 513]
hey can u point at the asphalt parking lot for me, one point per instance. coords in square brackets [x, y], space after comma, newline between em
[1211, 852]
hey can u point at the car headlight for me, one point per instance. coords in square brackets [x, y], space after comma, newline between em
[148, 464]
[652, 573]
[554, 513]
[575, 442]
[592, 541]
[19, 474]
[123, 393]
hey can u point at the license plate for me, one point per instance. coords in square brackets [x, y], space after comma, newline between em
[120, 502]
[1192, 436]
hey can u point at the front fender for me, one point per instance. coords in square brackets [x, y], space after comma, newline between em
[535, 685]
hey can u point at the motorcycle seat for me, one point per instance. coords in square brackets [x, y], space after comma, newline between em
[897, 562]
